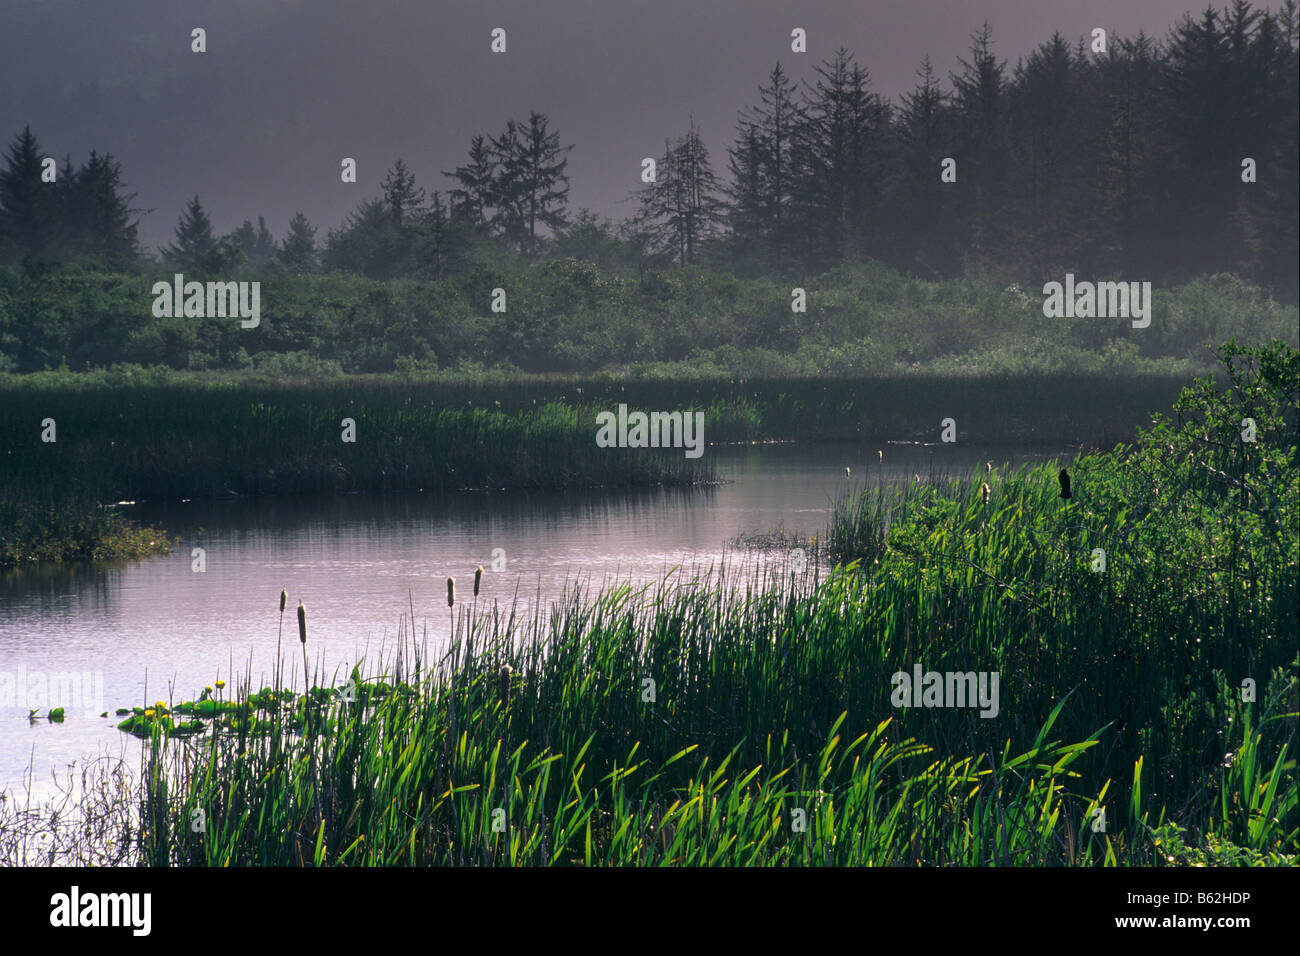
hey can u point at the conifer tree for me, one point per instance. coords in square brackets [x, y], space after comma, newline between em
[29, 220]
[194, 238]
[299, 248]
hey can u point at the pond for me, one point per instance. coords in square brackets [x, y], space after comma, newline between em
[93, 637]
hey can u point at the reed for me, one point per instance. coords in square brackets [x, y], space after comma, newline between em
[769, 701]
[450, 741]
[284, 597]
[302, 639]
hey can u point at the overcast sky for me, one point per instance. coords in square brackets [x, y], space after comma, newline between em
[287, 88]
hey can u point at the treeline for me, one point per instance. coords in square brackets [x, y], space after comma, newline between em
[1124, 162]
[1133, 157]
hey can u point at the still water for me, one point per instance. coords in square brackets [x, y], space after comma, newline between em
[157, 629]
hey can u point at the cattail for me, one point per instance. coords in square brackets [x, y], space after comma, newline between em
[279, 635]
[478, 577]
[984, 492]
[988, 467]
[846, 471]
[302, 636]
[916, 477]
[451, 592]
[880, 454]
[504, 676]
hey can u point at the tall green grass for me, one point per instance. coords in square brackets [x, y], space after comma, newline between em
[169, 442]
[1121, 692]
[1092, 406]
[1195, 611]
[766, 702]
[174, 442]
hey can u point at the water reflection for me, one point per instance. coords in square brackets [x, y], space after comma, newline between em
[157, 628]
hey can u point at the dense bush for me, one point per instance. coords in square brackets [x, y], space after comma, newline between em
[568, 316]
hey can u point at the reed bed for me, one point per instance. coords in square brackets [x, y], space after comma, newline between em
[173, 442]
[767, 738]
[123, 438]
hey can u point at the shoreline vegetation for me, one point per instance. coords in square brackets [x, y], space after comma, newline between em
[129, 435]
[448, 395]
[1148, 708]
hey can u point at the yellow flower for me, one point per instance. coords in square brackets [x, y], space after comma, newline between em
[160, 705]
[148, 713]
[208, 688]
[220, 684]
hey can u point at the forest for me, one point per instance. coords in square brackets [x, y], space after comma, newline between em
[1171, 161]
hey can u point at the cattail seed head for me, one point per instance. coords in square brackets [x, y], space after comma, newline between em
[302, 622]
[283, 598]
[984, 492]
[478, 576]
[503, 677]
[451, 592]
